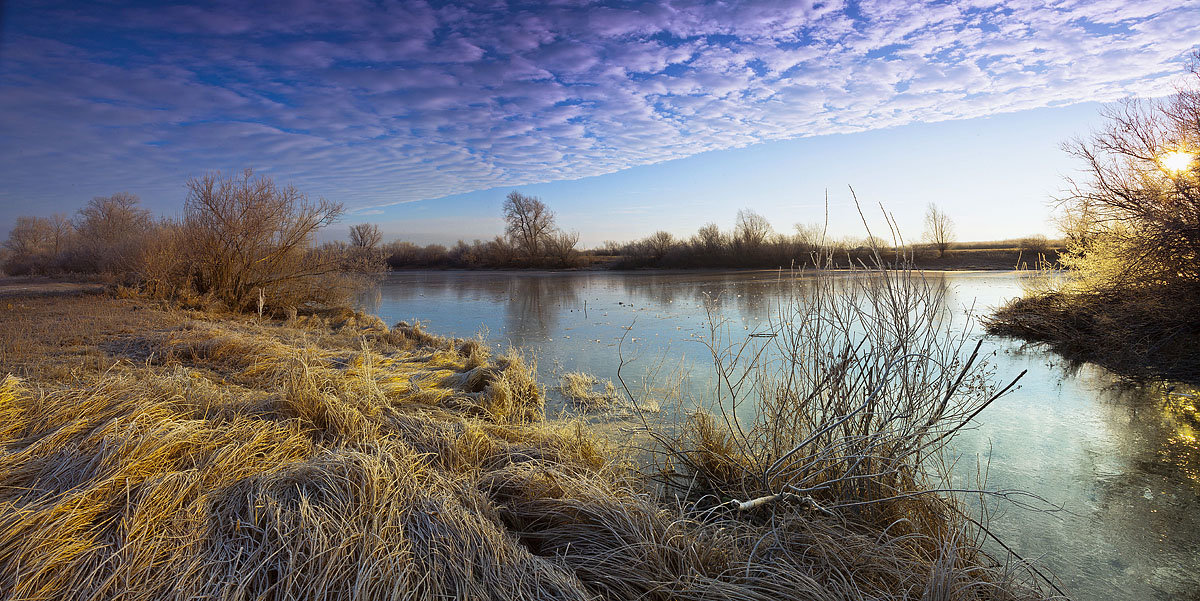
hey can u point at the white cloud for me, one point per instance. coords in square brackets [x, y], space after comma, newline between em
[375, 106]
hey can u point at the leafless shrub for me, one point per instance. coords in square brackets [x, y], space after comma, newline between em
[1135, 221]
[248, 234]
[1035, 245]
[560, 248]
[111, 232]
[1129, 298]
[363, 255]
[710, 242]
[838, 409]
[750, 232]
[28, 246]
[166, 265]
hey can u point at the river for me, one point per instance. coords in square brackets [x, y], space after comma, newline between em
[1122, 462]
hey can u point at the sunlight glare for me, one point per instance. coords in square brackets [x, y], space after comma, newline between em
[1176, 161]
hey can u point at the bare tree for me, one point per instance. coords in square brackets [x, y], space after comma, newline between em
[811, 235]
[611, 248]
[61, 231]
[363, 254]
[29, 245]
[250, 235]
[166, 261]
[710, 241]
[939, 229]
[1137, 216]
[401, 254]
[750, 231]
[365, 236]
[529, 223]
[30, 236]
[500, 251]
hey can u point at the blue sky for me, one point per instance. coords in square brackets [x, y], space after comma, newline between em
[624, 117]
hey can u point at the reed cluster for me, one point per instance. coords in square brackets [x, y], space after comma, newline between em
[836, 413]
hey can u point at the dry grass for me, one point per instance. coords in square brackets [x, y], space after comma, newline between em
[839, 408]
[587, 391]
[1140, 333]
[198, 456]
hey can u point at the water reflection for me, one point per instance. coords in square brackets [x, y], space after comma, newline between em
[534, 305]
[1122, 461]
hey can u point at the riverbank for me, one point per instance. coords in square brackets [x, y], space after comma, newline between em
[1145, 334]
[964, 259]
[177, 452]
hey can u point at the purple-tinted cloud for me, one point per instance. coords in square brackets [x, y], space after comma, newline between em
[378, 104]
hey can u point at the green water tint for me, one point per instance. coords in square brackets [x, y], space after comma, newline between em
[1123, 462]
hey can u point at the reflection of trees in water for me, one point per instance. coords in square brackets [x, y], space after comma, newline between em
[370, 300]
[1161, 423]
[531, 301]
[1148, 507]
[658, 289]
[754, 297]
[750, 296]
[534, 304]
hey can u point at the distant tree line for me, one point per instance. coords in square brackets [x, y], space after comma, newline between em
[532, 239]
[246, 240]
[753, 242]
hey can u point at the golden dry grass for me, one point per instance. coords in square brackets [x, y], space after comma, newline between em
[587, 391]
[168, 454]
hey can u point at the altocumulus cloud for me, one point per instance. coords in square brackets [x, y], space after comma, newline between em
[376, 103]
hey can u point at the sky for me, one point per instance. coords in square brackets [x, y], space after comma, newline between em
[624, 117]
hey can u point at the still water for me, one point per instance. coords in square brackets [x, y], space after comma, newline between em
[1123, 463]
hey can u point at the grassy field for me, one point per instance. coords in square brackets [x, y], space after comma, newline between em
[153, 452]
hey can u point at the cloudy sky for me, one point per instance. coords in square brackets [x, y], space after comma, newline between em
[624, 117]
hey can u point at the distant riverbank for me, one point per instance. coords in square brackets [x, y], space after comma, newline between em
[966, 259]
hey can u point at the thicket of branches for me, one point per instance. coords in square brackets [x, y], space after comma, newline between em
[242, 240]
[1131, 299]
[107, 235]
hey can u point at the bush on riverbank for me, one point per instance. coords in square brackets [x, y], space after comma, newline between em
[840, 404]
[1131, 295]
[1139, 332]
[243, 241]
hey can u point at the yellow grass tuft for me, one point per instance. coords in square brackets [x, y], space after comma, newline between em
[580, 388]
